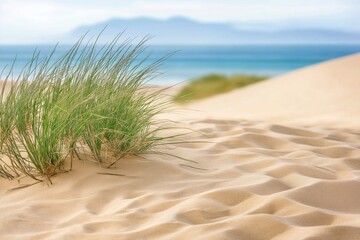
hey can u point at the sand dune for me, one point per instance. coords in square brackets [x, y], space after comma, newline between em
[252, 180]
[326, 94]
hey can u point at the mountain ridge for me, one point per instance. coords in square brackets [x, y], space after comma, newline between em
[181, 30]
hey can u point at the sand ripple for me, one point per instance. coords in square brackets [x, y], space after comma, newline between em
[253, 181]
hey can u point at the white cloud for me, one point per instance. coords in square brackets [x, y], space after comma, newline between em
[39, 20]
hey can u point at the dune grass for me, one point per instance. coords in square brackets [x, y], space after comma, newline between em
[93, 99]
[213, 84]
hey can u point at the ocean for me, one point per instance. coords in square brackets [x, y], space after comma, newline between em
[189, 62]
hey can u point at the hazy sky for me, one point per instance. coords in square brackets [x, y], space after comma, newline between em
[28, 21]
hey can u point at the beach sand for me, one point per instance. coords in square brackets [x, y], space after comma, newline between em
[276, 160]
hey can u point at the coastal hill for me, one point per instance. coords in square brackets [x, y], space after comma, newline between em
[180, 30]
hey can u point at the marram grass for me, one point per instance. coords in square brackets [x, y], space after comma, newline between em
[213, 84]
[93, 99]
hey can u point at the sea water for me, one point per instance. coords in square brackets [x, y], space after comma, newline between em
[188, 62]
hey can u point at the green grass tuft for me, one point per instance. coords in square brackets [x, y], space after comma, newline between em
[94, 99]
[213, 84]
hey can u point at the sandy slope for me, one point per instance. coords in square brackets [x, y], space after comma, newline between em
[326, 94]
[253, 180]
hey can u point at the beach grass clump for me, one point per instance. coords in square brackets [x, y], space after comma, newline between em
[92, 100]
[213, 84]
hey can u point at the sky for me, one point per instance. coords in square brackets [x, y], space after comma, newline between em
[36, 21]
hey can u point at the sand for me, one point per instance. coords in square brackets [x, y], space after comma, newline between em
[277, 160]
[326, 94]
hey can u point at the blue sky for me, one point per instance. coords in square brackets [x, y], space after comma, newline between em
[27, 21]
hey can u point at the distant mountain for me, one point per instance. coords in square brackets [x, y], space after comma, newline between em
[179, 30]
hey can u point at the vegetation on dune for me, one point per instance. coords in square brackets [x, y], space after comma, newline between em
[91, 100]
[213, 84]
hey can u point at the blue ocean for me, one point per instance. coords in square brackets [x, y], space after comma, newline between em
[189, 62]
